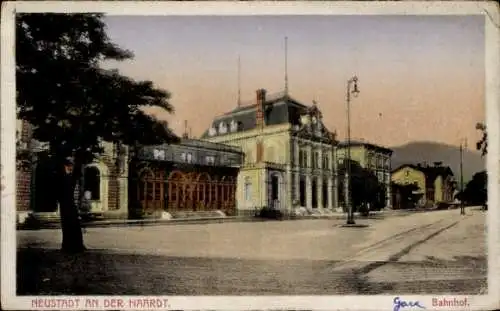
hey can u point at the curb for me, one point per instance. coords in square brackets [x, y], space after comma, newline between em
[55, 224]
[139, 222]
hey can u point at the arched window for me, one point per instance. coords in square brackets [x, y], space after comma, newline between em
[145, 186]
[234, 126]
[176, 190]
[215, 192]
[222, 128]
[203, 189]
[92, 182]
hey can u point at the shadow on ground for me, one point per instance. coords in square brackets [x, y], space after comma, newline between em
[462, 275]
[100, 272]
[50, 272]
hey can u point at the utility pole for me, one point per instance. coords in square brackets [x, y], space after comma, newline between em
[239, 81]
[462, 206]
[286, 65]
[353, 82]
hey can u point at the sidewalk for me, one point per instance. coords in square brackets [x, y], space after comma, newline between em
[55, 223]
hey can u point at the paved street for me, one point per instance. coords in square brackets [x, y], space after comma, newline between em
[438, 251]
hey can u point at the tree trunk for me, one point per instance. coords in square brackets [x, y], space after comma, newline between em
[72, 240]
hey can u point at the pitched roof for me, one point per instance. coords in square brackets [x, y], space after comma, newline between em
[430, 172]
[365, 144]
[279, 109]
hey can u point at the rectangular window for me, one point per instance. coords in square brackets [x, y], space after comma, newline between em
[183, 157]
[316, 160]
[189, 158]
[369, 160]
[380, 176]
[340, 160]
[248, 191]
[159, 154]
[210, 160]
[303, 158]
[224, 160]
[326, 162]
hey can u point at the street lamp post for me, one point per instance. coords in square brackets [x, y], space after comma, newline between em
[352, 88]
[463, 144]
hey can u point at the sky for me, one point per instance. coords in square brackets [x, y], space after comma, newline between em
[421, 78]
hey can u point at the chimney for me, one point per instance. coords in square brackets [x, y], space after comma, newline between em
[259, 115]
[185, 135]
[261, 99]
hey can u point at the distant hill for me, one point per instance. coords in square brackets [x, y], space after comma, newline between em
[418, 152]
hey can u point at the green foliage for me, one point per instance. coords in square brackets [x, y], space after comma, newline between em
[72, 103]
[271, 213]
[365, 187]
[482, 144]
[476, 190]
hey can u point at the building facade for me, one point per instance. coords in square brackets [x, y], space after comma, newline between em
[193, 175]
[122, 183]
[105, 180]
[374, 158]
[435, 183]
[289, 154]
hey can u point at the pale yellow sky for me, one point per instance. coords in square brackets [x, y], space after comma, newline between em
[421, 78]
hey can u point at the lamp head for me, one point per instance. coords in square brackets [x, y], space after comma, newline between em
[355, 90]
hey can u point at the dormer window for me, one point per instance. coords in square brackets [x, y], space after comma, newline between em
[212, 131]
[222, 128]
[305, 119]
[234, 126]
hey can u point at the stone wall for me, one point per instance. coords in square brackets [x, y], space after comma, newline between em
[23, 194]
[111, 174]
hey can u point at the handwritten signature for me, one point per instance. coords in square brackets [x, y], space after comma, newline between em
[398, 304]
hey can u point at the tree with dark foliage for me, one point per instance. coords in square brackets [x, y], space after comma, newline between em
[476, 190]
[73, 104]
[365, 188]
[482, 144]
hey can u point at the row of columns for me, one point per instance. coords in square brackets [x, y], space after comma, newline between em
[329, 176]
